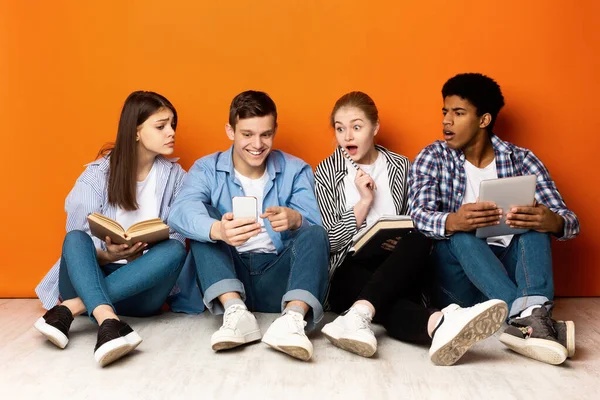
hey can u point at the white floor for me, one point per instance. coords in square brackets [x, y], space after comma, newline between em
[175, 362]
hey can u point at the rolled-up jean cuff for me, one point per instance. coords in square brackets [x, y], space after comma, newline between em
[522, 303]
[314, 317]
[221, 287]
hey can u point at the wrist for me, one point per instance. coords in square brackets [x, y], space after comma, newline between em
[560, 225]
[449, 226]
[365, 203]
[215, 231]
[103, 257]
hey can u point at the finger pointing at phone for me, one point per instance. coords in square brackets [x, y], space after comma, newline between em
[283, 218]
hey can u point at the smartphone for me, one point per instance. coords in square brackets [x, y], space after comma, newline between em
[244, 207]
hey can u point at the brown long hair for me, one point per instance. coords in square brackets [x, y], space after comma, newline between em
[122, 178]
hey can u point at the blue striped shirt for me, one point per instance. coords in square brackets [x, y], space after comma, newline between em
[90, 195]
[438, 180]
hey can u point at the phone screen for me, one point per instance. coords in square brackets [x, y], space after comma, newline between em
[244, 207]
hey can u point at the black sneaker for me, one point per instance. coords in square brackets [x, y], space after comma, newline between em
[535, 337]
[565, 333]
[115, 339]
[55, 325]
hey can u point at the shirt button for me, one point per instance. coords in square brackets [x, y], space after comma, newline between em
[460, 195]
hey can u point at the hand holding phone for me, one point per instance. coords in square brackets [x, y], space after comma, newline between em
[235, 228]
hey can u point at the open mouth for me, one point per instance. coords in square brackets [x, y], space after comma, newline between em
[448, 135]
[352, 150]
[255, 153]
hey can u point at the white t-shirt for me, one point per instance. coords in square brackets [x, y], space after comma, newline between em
[474, 177]
[262, 242]
[147, 202]
[383, 204]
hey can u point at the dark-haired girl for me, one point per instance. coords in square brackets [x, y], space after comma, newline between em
[131, 182]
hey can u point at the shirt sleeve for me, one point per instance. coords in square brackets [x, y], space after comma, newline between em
[547, 194]
[85, 198]
[340, 227]
[424, 196]
[189, 215]
[179, 178]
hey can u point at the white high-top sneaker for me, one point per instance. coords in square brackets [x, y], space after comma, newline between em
[239, 327]
[352, 332]
[463, 327]
[286, 334]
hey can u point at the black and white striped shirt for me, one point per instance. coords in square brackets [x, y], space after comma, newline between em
[331, 197]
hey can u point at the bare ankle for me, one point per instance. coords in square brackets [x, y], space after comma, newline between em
[104, 312]
[434, 321]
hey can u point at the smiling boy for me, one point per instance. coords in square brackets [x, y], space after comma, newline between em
[276, 263]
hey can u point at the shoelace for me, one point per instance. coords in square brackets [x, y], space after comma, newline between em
[297, 322]
[359, 321]
[232, 316]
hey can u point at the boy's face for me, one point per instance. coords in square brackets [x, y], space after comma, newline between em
[461, 124]
[252, 143]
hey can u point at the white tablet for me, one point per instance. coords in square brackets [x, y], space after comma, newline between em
[506, 193]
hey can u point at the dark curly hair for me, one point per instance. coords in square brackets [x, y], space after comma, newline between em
[480, 90]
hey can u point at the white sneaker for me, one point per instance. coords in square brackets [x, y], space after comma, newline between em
[352, 332]
[239, 327]
[463, 327]
[286, 334]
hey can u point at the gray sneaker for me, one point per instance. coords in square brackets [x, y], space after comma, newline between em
[535, 336]
[565, 333]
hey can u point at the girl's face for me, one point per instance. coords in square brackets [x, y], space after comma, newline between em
[156, 135]
[355, 133]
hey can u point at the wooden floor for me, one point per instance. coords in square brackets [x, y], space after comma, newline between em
[175, 362]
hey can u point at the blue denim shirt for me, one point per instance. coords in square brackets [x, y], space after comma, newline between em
[211, 182]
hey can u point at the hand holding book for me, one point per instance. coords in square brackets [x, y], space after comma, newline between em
[118, 252]
[381, 236]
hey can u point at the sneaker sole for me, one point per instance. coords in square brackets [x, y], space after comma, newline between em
[298, 352]
[117, 348]
[542, 350]
[231, 342]
[54, 335]
[363, 349]
[570, 338]
[481, 327]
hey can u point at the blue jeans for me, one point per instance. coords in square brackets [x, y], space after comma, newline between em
[266, 281]
[468, 270]
[137, 289]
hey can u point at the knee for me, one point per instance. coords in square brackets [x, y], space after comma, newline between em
[318, 231]
[176, 251]
[463, 238]
[318, 236]
[535, 238]
[77, 238]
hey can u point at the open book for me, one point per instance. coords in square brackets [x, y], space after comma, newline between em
[369, 240]
[149, 231]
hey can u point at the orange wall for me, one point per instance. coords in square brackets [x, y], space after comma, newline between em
[66, 69]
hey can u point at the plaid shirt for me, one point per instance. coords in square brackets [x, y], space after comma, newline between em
[437, 185]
